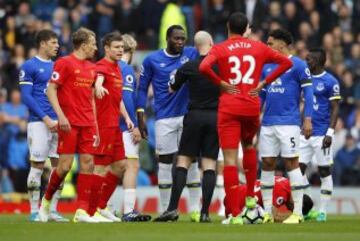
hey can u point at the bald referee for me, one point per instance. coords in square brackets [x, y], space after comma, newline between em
[199, 137]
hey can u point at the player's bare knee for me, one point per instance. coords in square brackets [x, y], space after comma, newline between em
[268, 164]
[291, 163]
[38, 165]
[118, 168]
[86, 163]
[99, 170]
[133, 165]
[324, 171]
[54, 161]
[63, 168]
[184, 161]
[208, 164]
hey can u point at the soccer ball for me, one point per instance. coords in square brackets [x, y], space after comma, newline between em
[253, 216]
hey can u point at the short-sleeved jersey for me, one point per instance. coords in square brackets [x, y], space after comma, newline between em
[108, 108]
[281, 192]
[240, 61]
[326, 89]
[37, 73]
[282, 104]
[158, 69]
[75, 78]
[129, 85]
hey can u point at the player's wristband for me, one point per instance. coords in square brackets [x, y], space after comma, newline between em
[140, 110]
[330, 132]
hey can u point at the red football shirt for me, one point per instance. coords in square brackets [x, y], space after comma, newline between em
[281, 192]
[75, 78]
[108, 108]
[240, 61]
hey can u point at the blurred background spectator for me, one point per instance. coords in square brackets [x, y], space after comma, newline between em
[331, 24]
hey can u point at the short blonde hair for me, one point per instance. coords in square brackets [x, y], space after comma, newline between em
[81, 36]
[130, 43]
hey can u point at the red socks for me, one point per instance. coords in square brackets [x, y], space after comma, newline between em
[83, 190]
[231, 183]
[96, 186]
[53, 185]
[109, 186]
[250, 168]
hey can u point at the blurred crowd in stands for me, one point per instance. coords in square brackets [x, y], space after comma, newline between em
[331, 24]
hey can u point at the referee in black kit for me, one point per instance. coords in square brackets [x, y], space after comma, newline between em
[199, 137]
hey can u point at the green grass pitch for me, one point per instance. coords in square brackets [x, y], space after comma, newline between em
[338, 228]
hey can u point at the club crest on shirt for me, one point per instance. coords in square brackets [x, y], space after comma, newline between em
[55, 76]
[21, 74]
[129, 79]
[320, 87]
[162, 65]
[279, 200]
[77, 71]
[41, 70]
[184, 59]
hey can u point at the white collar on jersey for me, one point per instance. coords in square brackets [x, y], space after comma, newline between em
[42, 60]
[319, 75]
[170, 55]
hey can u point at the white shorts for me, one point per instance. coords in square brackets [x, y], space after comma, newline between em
[167, 135]
[240, 154]
[279, 139]
[311, 148]
[42, 142]
[131, 149]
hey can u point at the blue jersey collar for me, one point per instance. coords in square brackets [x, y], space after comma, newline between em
[170, 55]
[319, 75]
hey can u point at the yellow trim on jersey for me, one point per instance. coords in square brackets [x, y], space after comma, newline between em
[128, 88]
[307, 84]
[132, 157]
[25, 83]
[338, 97]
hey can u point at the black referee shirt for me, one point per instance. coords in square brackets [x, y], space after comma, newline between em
[203, 93]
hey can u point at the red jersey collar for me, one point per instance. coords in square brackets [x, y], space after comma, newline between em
[109, 62]
[237, 36]
[76, 58]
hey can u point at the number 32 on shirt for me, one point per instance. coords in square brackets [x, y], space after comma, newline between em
[236, 63]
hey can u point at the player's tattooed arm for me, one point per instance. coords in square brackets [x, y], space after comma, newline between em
[51, 93]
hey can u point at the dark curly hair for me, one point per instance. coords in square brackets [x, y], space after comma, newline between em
[282, 34]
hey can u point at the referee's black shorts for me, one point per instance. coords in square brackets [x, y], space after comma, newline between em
[199, 137]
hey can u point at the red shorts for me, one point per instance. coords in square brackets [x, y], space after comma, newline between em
[235, 128]
[111, 148]
[79, 139]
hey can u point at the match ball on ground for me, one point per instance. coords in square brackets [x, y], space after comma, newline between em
[253, 215]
